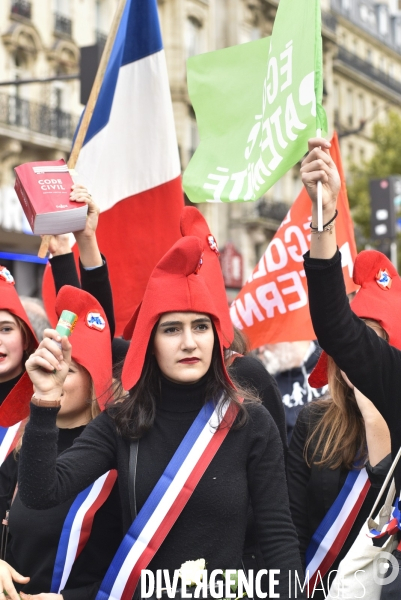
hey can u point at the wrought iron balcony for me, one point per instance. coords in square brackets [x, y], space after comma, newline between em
[271, 209]
[21, 8]
[329, 21]
[36, 117]
[62, 24]
[368, 69]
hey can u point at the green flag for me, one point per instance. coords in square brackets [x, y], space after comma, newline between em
[256, 106]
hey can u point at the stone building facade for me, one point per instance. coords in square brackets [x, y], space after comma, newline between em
[42, 39]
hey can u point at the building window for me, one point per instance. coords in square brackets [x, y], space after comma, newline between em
[383, 20]
[346, 4]
[369, 56]
[193, 37]
[350, 107]
[397, 27]
[364, 12]
[361, 107]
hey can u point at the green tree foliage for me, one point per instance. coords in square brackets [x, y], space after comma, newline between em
[385, 161]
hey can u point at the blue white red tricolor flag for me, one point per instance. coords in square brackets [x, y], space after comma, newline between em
[129, 160]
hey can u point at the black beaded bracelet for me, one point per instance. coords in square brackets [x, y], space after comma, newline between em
[326, 224]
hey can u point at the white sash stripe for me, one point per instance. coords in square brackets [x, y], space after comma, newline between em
[76, 528]
[332, 533]
[165, 503]
[7, 441]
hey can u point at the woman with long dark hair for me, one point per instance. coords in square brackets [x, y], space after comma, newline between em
[190, 454]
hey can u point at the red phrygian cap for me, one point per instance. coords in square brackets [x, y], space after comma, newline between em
[193, 223]
[175, 285]
[9, 299]
[90, 339]
[91, 348]
[378, 299]
[17, 401]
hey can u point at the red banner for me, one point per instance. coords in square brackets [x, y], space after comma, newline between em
[273, 305]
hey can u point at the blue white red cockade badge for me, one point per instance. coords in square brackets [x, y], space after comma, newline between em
[383, 279]
[199, 265]
[5, 275]
[213, 244]
[94, 320]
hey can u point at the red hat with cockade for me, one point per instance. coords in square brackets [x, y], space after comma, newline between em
[193, 223]
[90, 338]
[17, 401]
[378, 299]
[91, 348]
[9, 299]
[175, 285]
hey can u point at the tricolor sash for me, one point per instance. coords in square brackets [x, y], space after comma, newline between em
[8, 440]
[167, 500]
[392, 527]
[332, 532]
[77, 527]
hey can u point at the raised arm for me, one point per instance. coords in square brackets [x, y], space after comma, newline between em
[319, 166]
[44, 480]
[93, 267]
[370, 363]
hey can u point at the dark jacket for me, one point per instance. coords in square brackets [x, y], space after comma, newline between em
[370, 363]
[313, 490]
[34, 535]
[248, 467]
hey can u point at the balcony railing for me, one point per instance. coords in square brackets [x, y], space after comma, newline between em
[36, 117]
[329, 21]
[62, 24]
[21, 8]
[271, 209]
[368, 69]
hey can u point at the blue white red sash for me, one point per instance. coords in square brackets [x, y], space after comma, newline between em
[8, 440]
[332, 532]
[167, 500]
[392, 527]
[77, 527]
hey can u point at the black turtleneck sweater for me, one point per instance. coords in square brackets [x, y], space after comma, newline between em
[248, 466]
[34, 535]
[7, 386]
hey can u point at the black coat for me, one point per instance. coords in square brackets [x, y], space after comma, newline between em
[369, 362]
[248, 467]
[313, 489]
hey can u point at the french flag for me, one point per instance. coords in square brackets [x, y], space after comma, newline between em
[130, 162]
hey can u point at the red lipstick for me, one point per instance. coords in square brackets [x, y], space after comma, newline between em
[189, 361]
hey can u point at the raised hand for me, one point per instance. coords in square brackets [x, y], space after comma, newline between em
[80, 194]
[86, 239]
[48, 366]
[319, 166]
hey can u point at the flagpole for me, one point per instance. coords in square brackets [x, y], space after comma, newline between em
[90, 106]
[319, 197]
